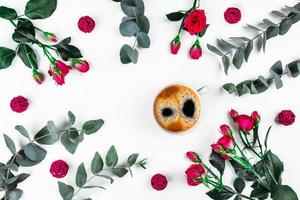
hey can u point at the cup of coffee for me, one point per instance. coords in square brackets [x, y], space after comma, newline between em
[177, 108]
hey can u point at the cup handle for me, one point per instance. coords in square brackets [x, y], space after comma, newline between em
[202, 90]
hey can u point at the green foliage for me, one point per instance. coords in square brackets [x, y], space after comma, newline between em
[8, 13]
[261, 84]
[175, 16]
[135, 24]
[27, 55]
[217, 162]
[244, 46]
[67, 51]
[97, 167]
[40, 9]
[6, 57]
[32, 154]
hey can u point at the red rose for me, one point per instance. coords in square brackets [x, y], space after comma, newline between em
[86, 24]
[246, 123]
[196, 50]
[194, 174]
[226, 142]
[193, 156]
[232, 15]
[175, 45]
[159, 182]
[59, 169]
[195, 22]
[19, 104]
[81, 65]
[286, 117]
[225, 130]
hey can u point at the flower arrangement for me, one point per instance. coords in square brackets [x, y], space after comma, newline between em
[242, 47]
[194, 22]
[25, 35]
[68, 192]
[264, 172]
[134, 24]
[32, 153]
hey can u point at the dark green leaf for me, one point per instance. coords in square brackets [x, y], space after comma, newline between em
[143, 40]
[221, 194]
[239, 184]
[237, 197]
[10, 144]
[294, 68]
[18, 179]
[143, 23]
[23, 161]
[277, 68]
[128, 28]
[241, 172]
[263, 80]
[226, 63]
[27, 55]
[6, 57]
[15, 194]
[111, 157]
[264, 41]
[260, 193]
[275, 164]
[97, 164]
[293, 9]
[81, 176]
[92, 126]
[35, 152]
[67, 142]
[248, 50]
[175, 16]
[214, 50]
[278, 81]
[107, 177]
[278, 13]
[229, 87]
[66, 191]
[225, 44]
[40, 9]
[67, 52]
[130, 11]
[217, 162]
[132, 159]
[272, 31]
[260, 84]
[25, 31]
[8, 13]
[128, 54]
[94, 186]
[44, 137]
[131, 3]
[285, 26]
[269, 22]
[283, 192]
[120, 172]
[238, 58]
[72, 118]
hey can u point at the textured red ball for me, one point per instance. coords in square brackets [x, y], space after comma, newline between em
[86, 24]
[19, 104]
[159, 182]
[59, 169]
[232, 15]
[286, 117]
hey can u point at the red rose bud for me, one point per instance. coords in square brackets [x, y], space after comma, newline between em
[195, 174]
[175, 45]
[196, 50]
[59, 169]
[50, 36]
[57, 76]
[62, 67]
[193, 156]
[232, 15]
[37, 76]
[19, 104]
[226, 142]
[86, 24]
[159, 182]
[255, 116]
[286, 117]
[233, 114]
[81, 65]
[225, 130]
[195, 22]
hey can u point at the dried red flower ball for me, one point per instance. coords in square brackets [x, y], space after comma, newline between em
[59, 169]
[159, 182]
[286, 117]
[86, 24]
[19, 104]
[232, 15]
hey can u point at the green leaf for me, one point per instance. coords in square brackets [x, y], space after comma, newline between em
[222, 194]
[132, 159]
[294, 68]
[229, 87]
[8, 13]
[143, 40]
[285, 26]
[263, 80]
[97, 164]
[106, 177]
[275, 164]
[25, 31]
[283, 192]
[175, 16]
[217, 162]
[278, 81]
[81, 176]
[137, 10]
[269, 22]
[128, 54]
[214, 50]
[67, 51]
[128, 28]
[23, 161]
[248, 50]
[293, 10]
[278, 13]
[44, 137]
[120, 171]
[264, 41]
[143, 23]
[34, 152]
[18, 179]
[131, 3]
[225, 44]
[239, 185]
[253, 27]
[40, 9]
[66, 191]
[27, 55]
[14, 194]
[260, 193]
[277, 68]
[237, 197]
[241, 172]
[226, 63]
[10, 144]
[94, 186]
[111, 157]
[92, 126]
[67, 142]
[22, 130]
[238, 58]
[72, 118]
[272, 31]
[6, 57]
[52, 129]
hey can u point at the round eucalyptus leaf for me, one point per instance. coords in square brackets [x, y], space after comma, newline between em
[130, 11]
[143, 23]
[35, 152]
[67, 143]
[143, 40]
[128, 28]
[128, 54]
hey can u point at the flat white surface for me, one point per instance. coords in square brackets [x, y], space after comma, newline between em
[123, 95]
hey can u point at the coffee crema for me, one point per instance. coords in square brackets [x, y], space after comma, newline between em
[177, 108]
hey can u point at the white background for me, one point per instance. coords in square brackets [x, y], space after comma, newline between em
[123, 95]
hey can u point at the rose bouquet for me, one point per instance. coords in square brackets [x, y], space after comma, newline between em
[264, 172]
[194, 22]
[26, 36]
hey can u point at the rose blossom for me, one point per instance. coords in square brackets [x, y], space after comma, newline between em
[246, 123]
[286, 117]
[193, 156]
[19, 104]
[194, 172]
[86, 24]
[226, 142]
[232, 15]
[195, 22]
[159, 182]
[59, 169]
[225, 129]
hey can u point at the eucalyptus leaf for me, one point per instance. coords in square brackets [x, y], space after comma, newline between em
[66, 191]
[229, 87]
[277, 68]
[120, 171]
[272, 31]
[143, 40]
[278, 13]
[128, 54]
[238, 58]
[106, 177]
[92, 126]
[285, 26]
[72, 118]
[214, 50]
[248, 50]
[44, 137]
[111, 157]
[81, 176]
[10, 144]
[294, 68]
[132, 159]
[128, 28]
[130, 11]
[67, 142]
[226, 63]
[278, 81]
[15, 194]
[97, 164]
[34, 152]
